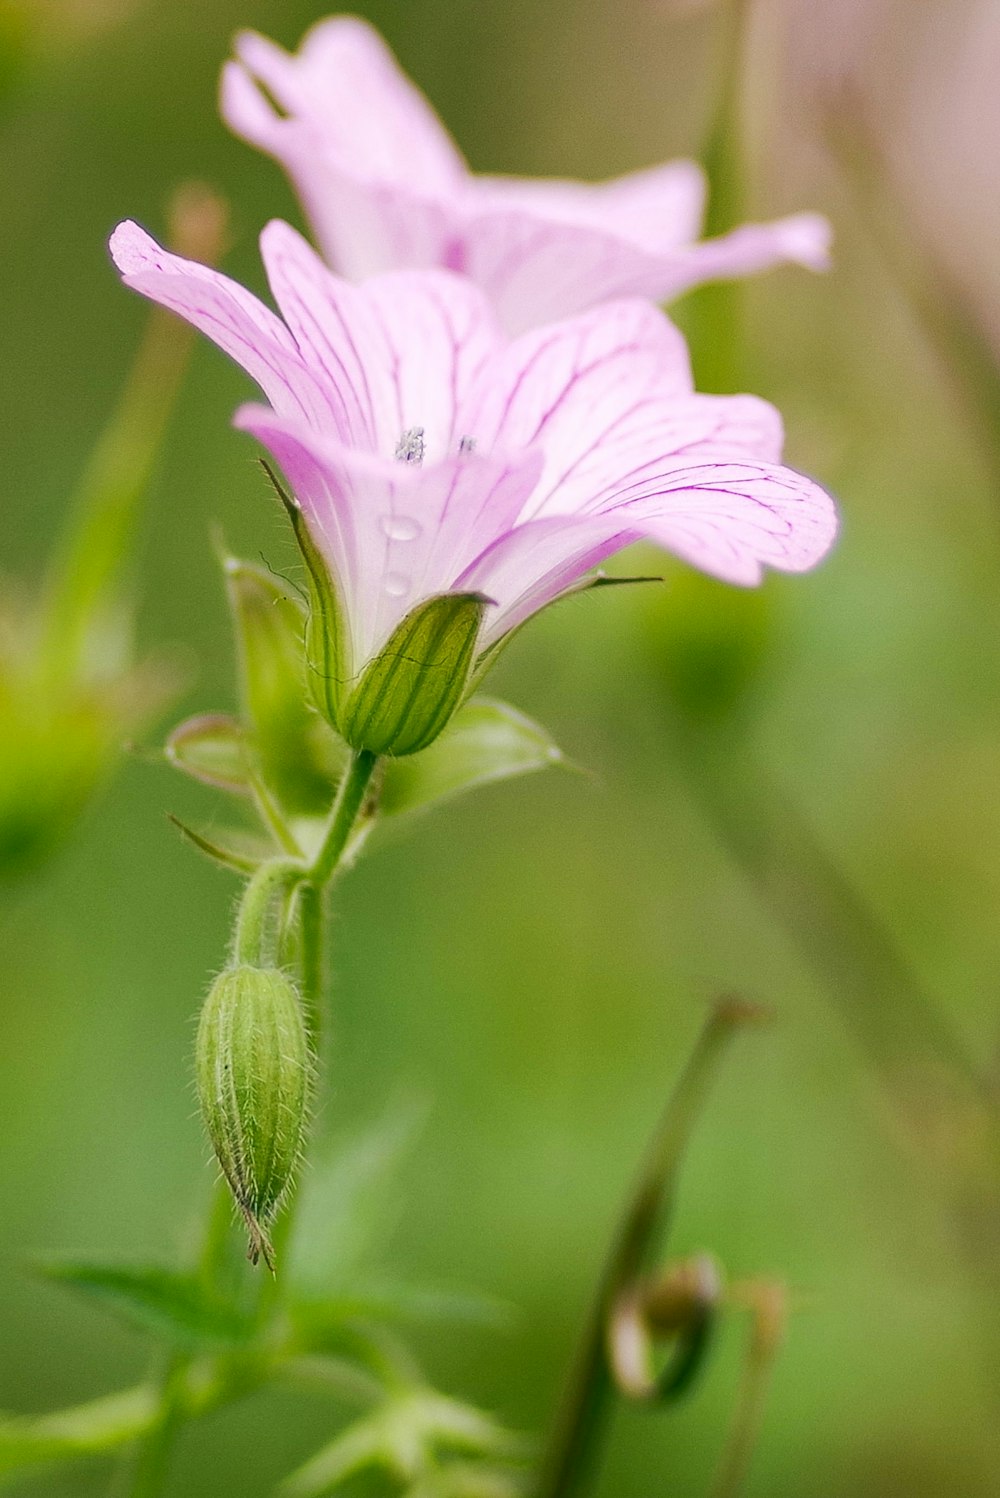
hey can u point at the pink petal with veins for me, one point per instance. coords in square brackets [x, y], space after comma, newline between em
[429, 453]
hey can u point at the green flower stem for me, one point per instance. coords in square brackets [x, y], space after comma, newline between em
[310, 915]
[311, 960]
[350, 798]
[583, 1421]
[256, 942]
[769, 1310]
[714, 314]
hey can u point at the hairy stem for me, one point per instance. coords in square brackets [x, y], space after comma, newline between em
[350, 798]
[255, 937]
[256, 941]
[581, 1427]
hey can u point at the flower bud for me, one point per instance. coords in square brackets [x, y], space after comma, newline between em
[253, 1069]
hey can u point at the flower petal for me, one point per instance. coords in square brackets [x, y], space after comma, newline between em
[372, 163]
[393, 533]
[345, 78]
[533, 564]
[727, 518]
[551, 385]
[402, 351]
[802, 239]
[539, 265]
[233, 318]
[657, 209]
[731, 518]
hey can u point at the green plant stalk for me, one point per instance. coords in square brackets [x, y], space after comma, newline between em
[939, 302]
[256, 941]
[85, 576]
[582, 1424]
[766, 1334]
[714, 314]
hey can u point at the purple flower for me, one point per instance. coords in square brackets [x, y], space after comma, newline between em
[385, 188]
[430, 454]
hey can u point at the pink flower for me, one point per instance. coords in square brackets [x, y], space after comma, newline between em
[385, 188]
[430, 454]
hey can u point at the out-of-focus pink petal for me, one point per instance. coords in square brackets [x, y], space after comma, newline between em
[347, 80]
[656, 209]
[802, 239]
[226, 312]
[363, 224]
[537, 268]
[385, 188]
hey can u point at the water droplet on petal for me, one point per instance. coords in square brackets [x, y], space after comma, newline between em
[399, 527]
[396, 584]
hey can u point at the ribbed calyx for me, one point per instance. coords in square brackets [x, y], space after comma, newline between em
[254, 1074]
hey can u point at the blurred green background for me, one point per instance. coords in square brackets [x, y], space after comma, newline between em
[536, 961]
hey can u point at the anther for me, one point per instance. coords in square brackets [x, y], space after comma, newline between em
[467, 445]
[410, 447]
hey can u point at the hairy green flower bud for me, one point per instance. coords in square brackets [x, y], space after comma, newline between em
[253, 1072]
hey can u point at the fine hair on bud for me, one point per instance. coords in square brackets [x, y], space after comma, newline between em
[254, 1076]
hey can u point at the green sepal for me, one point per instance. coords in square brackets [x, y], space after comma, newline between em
[486, 740]
[172, 1307]
[211, 748]
[408, 693]
[228, 858]
[297, 756]
[325, 657]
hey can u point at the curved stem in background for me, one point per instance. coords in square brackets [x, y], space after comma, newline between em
[86, 573]
[713, 314]
[582, 1423]
[940, 305]
[768, 1305]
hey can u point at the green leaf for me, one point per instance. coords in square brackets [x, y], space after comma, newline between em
[211, 748]
[467, 1480]
[406, 1437]
[411, 689]
[173, 1307]
[402, 1304]
[351, 1201]
[298, 755]
[486, 741]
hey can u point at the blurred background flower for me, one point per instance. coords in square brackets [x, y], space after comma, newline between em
[543, 975]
